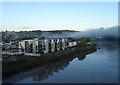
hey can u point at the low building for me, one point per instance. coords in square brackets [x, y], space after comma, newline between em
[57, 44]
[64, 43]
[73, 43]
[52, 44]
[7, 45]
[43, 45]
[26, 46]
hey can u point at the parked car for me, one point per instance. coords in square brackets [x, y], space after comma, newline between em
[5, 57]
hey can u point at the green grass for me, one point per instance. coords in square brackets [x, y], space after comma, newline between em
[86, 48]
[26, 63]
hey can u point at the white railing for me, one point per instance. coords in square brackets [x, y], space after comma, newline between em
[13, 53]
[20, 53]
[32, 54]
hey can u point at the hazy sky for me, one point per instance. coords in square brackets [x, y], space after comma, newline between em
[58, 15]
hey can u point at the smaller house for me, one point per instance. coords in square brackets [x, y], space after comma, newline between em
[73, 43]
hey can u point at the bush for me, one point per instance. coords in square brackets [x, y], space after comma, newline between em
[88, 39]
[82, 43]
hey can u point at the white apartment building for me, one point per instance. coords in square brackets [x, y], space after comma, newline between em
[42, 45]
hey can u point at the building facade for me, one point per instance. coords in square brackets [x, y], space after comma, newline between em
[43, 45]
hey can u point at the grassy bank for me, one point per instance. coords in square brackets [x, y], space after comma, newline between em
[23, 64]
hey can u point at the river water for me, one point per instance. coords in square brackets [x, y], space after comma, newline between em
[98, 67]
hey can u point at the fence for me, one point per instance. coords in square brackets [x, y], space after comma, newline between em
[20, 53]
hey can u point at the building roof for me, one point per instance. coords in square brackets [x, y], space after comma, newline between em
[74, 40]
[7, 41]
[55, 38]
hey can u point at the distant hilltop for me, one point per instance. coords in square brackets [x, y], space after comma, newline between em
[51, 31]
[46, 34]
[110, 33]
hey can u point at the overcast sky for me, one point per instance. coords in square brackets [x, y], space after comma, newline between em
[58, 15]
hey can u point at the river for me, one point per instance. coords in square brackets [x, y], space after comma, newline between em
[98, 67]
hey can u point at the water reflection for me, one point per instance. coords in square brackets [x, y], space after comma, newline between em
[98, 67]
[50, 70]
[108, 46]
[41, 73]
[81, 57]
[111, 50]
[59, 66]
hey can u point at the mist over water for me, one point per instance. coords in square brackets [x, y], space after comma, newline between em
[101, 32]
[111, 32]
